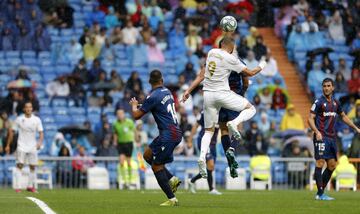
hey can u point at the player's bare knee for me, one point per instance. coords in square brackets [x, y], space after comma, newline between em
[223, 128]
[320, 163]
[331, 165]
[210, 165]
[147, 155]
[157, 167]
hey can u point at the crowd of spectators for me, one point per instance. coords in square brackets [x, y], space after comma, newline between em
[139, 35]
[323, 41]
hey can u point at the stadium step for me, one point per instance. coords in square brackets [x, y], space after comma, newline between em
[296, 89]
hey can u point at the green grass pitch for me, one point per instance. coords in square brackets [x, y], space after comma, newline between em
[115, 201]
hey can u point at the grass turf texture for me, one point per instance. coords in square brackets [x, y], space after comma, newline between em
[147, 202]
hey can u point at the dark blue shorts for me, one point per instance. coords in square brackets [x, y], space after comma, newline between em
[162, 151]
[226, 115]
[325, 149]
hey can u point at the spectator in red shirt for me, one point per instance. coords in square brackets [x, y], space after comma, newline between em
[354, 82]
[279, 99]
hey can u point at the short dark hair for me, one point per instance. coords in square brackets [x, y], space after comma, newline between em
[226, 41]
[328, 80]
[155, 76]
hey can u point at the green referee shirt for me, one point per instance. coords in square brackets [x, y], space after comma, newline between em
[124, 130]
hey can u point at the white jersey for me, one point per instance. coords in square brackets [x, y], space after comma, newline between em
[27, 128]
[219, 64]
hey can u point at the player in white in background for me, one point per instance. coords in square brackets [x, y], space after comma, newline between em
[217, 94]
[27, 126]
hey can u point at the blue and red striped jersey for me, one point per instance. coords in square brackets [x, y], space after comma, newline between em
[326, 115]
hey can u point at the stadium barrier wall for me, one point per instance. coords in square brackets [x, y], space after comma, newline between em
[286, 173]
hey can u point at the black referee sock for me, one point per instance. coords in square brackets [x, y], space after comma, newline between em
[210, 179]
[168, 173]
[163, 182]
[319, 181]
[326, 177]
[197, 177]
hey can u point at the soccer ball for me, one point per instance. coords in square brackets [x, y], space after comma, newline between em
[228, 24]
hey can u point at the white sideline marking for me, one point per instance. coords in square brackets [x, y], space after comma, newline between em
[44, 207]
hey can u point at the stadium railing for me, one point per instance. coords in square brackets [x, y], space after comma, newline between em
[286, 173]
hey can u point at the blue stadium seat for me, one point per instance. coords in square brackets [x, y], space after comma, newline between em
[61, 110]
[108, 110]
[63, 120]
[41, 94]
[46, 110]
[94, 110]
[48, 118]
[63, 69]
[122, 62]
[28, 54]
[12, 54]
[44, 62]
[49, 77]
[121, 54]
[44, 55]
[300, 55]
[36, 77]
[50, 127]
[78, 16]
[79, 23]
[13, 61]
[87, 9]
[53, 31]
[48, 70]
[77, 111]
[59, 101]
[79, 119]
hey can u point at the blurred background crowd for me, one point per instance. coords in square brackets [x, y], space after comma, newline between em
[80, 61]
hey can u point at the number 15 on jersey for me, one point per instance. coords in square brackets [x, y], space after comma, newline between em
[171, 110]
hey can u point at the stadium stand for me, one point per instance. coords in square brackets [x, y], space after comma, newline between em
[87, 58]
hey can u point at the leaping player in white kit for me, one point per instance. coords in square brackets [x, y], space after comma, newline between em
[27, 126]
[217, 94]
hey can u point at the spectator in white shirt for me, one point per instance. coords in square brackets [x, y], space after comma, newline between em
[58, 88]
[305, 26]
[130, 34]
[336, 30]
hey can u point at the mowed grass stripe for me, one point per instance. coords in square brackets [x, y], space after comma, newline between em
[115, 201]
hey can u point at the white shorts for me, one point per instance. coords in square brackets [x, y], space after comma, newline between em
[30, 158]
[214, 100]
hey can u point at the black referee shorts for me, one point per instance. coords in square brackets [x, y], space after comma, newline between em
[125, 148]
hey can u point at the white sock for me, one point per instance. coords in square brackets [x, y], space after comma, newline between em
[17, 175]
[244, 115]
[205, 143]
[32, 179]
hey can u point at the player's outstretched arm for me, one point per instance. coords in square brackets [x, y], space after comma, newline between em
[256, 70]
[311, 122]
[136, 113]
[199, 78]
[346, 120]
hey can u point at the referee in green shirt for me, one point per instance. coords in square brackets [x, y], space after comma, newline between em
[124, 135]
